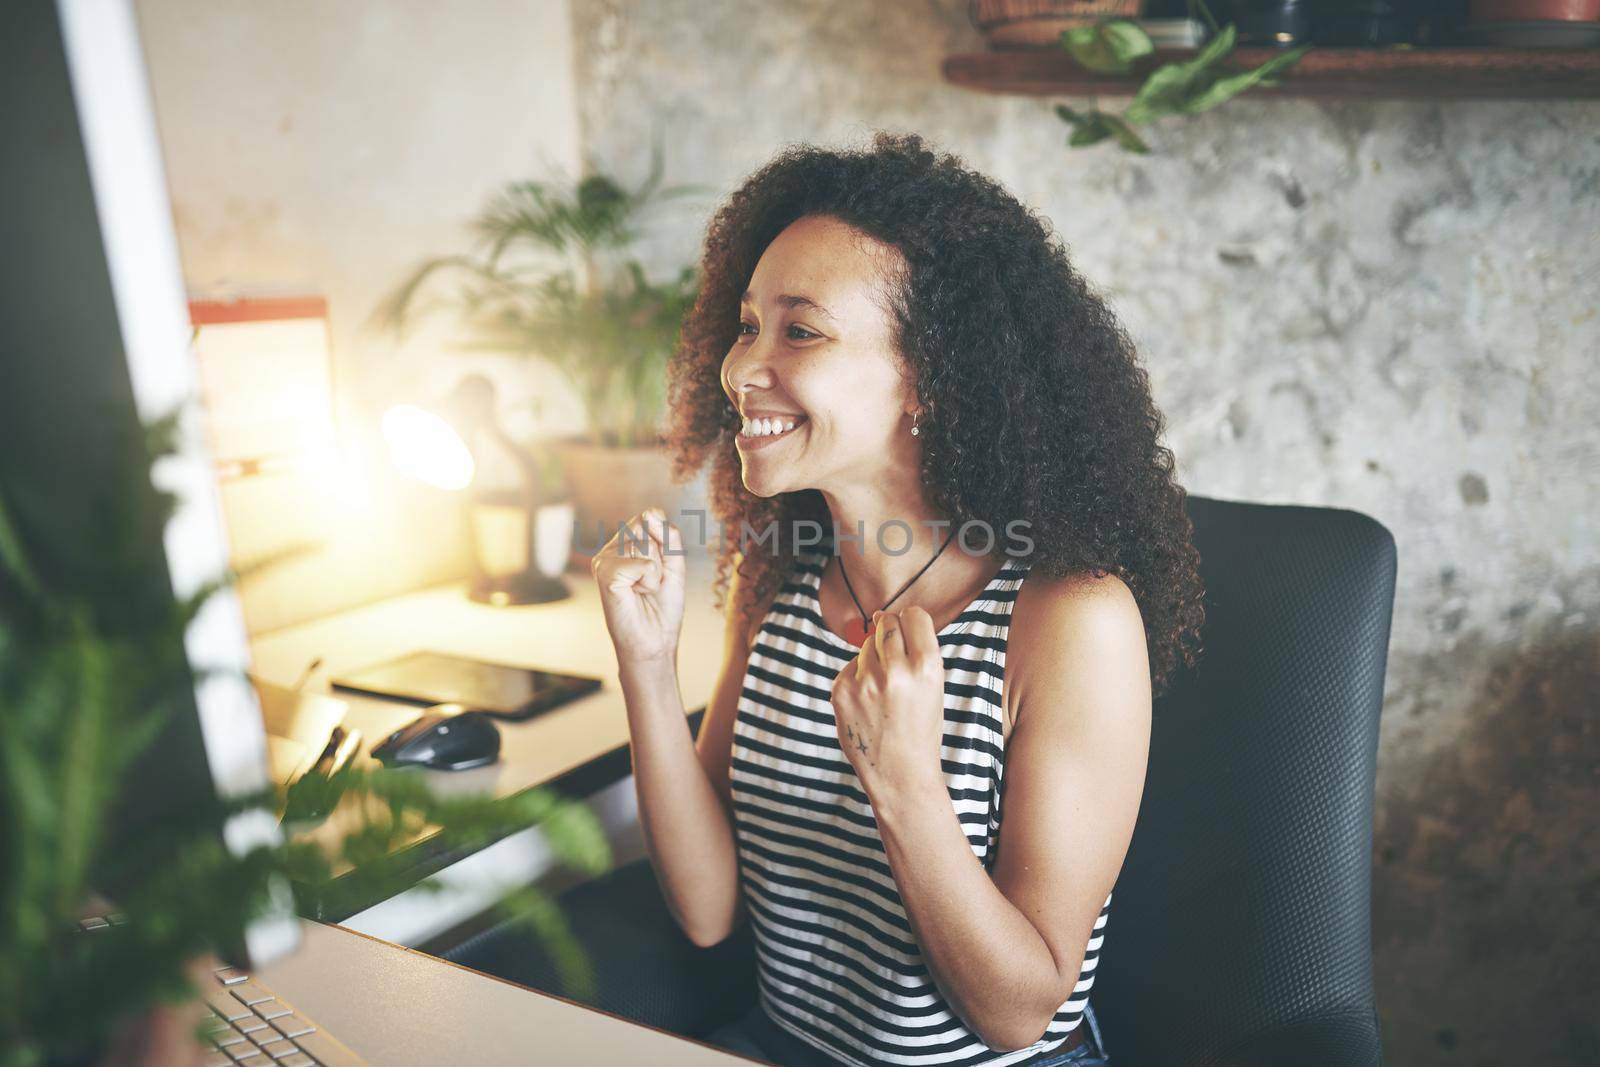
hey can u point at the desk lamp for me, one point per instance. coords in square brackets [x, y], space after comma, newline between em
[460, 444]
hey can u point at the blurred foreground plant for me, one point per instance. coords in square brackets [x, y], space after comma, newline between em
[90, 673]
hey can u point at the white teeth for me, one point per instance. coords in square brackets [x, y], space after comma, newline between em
[768, 427]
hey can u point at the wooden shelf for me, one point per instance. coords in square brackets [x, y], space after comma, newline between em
[1324, 72]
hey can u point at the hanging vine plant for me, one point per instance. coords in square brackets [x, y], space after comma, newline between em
[1112, 45]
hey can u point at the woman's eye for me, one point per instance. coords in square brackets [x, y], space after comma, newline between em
[796, 333]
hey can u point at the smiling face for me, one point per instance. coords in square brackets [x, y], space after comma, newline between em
[815, 348]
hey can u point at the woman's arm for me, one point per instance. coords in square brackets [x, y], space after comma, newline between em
[1006, 951]
[682, 784]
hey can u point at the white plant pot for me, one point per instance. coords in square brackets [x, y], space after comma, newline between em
[552, 537]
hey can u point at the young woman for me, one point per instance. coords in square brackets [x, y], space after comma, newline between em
[922, 424]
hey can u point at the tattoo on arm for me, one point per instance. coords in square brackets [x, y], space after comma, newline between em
[860, 743]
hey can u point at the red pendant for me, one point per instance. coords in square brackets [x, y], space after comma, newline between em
[856, 631]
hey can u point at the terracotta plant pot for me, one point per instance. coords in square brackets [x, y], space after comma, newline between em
[1039, 23]
[1518, 10]
[611, 485]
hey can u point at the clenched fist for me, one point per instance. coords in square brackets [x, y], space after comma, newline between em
[640, 573]
[888, 703]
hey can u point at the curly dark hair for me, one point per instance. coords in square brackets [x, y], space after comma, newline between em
[1036, 406]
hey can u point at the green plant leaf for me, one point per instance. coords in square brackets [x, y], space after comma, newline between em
[1195, 86]
[1091, 132]
[1109, 46]
[1069, 115]
[1203, 10]
[85, 778]
[1093, 126]
[1169, 86]
[1233, 85]
[1087, 126]
[1125, 136]
[394, 311]
[14, 562]
[532, 907]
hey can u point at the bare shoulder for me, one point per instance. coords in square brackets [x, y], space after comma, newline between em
[1074, 595]
[1069, 630]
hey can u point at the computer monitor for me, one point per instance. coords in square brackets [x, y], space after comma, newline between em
[95, 340]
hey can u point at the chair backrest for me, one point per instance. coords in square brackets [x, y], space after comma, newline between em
[1241, 919]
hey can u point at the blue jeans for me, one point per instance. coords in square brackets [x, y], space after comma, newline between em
[1092, 1053]
[756, 1035]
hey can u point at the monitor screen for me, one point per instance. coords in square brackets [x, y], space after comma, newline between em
[95, 337]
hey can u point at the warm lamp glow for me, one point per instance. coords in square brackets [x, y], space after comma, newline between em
[426, 447]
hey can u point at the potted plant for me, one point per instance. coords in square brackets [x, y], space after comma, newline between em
[556, 514]
[88, 678]
[1035, 23]
[549, 278]
[1533, 23]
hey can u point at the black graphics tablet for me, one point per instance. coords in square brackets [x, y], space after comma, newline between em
[435, 678]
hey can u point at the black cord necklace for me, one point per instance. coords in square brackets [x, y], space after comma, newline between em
[858, 632]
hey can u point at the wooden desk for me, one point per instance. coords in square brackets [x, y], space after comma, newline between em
[395, 1007]
[578, 749]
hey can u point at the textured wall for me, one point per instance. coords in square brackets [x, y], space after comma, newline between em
[1390, 307]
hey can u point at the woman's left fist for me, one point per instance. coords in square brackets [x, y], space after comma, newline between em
[888, 704]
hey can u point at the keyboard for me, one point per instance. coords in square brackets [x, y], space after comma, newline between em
[253, 1026]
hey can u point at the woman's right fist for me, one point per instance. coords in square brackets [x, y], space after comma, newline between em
[640, 572]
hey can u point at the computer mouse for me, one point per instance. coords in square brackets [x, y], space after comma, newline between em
[451, 742]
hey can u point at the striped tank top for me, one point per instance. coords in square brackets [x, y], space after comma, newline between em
[837, 963]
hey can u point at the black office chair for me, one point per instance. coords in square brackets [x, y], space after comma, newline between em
[1240, 925]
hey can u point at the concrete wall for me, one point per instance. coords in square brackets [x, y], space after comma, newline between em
[328, 147]
[1390, 307]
